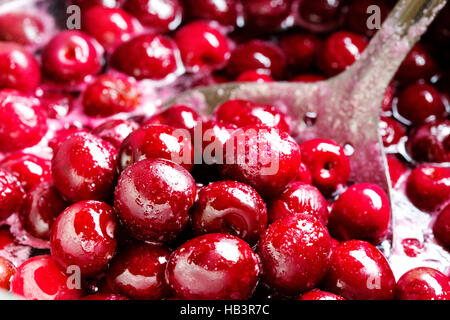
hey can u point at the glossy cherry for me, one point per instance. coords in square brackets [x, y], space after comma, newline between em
[23, 28]
[418, 64]
[7, 271]
[294, 253]
[84, 168]
[396, 168]
[301, 50]
[115, 131]
[359, 271]
[320, 15]
[266, 14]
[11, 194]
[317, 294]
[62, 135]
[177, 116]
[423, 284]
[213, 266]
[357, 16]
[229, 207]
[152, 199]
[223, 11]
[391, 131]
[56, 104]
[304, 175]
[85, 4]
[259, 75]
[441, 227]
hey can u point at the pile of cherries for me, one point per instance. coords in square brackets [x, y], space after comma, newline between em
[126, 211]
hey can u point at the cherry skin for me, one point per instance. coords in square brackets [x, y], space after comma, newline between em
[229, 207]
[301, 50]
[396, 169]
[419, 103]
[423, 284]
[386, 104]
[39, 278]
[23, 28]
[7, 271]
[430, 142]
[157, 141]
[223, 11]
[327, 162]
[18, 68]
[359, 271]
[340, 51]
[294, 252]
[160, 16]
[104, 297]
[320, 15]
[62, 135]
[202, 46]
[213, 267]
[361, 212]
[71, 56]
[109, 95]
[29, 169]
[266, 14]
[177, 116]
[441, 227]
[257, 54]
[308, 78]
[317, 294]
[11, 194]
[427, 187]
[299, 199]
[259, 75]
[42, 206]
[418, 64]
[85, 4]
[137, 272]
[22, 121]
[84, 168]
[391, 131]
[146, 56]
[304, 175]
[115, 131]
[159, 213]
[357, 15]
[265, 158]
[109, 26]
[56, 104]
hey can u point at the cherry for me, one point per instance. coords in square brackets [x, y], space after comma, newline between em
[308, 78]
[71, 56]
[39, 278]
[106, 3]
[7, 271]
[266, 14]
[115, 131]
[158, 15]
[62, 135]
[423, 284]
[441, 228]
[427, 187]
[396, 169]
[320, 15]
[259, 75]
[357, 15]
[391, 131]
[29, 169]
[138, 272]
[419, 103]
[160, 212]
[177, 116]
[317, 294]
[430, 142]
[361, 212]
[11, 194]
[244, 113]
[386, 104]
[418, 64]
[157, 141]
[7, 240]
[257, 54]
[299, 199]
[304, 175]
[84, 168]
[412, 247]
[42, 205]
[109, 95]
[229, 207]
[301, 50]
[223, 11]
[294, 252]
[213, 267]
[83, 235]
[23, 28]
[18, 68]
[104, 297]
[146, 56]
[265, 158]
[359, 271]
[327, 162]
[339, 51]
[56, 104]
[109, 26]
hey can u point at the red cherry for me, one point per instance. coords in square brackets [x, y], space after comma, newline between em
[441, 228]
[22, 28]
[418, 64]
[62, 135]
[265, 158]
[386, 104]
[223, 11]
[159, 213]
[56, 104]
[146, 56]
[357, 15]
[71, 56]
[115, 131]
[84, 168]
[255, 55]
[339, 51]
[259, 75]
[103, 297]
[308, 78]
[301, 50]
[39, 278]
[299, 199]
[320, 15]
[317, 294]
[294, 253]
[327, 162]
[7, 240]
[362, 212]
[423, 284]
[177, 116]
[7, 271]
[396, 169]
[213, 267]
[229, 207]
[138, 272]
[11, 194]
[427, 187]
[304, 175]
[359, 271]
[157, 141]
[85, 4]
[391, 131]
[266, 14]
